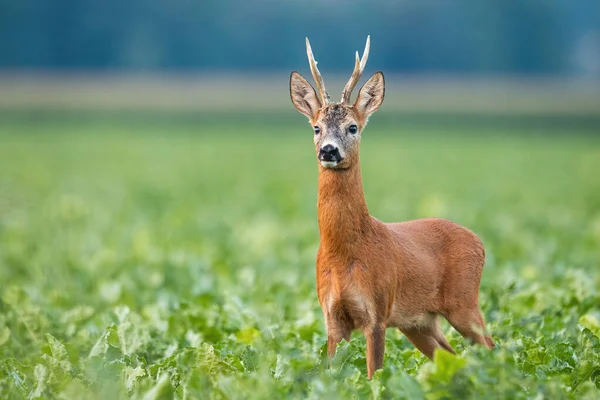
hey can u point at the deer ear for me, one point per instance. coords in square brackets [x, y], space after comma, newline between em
[371, 95]
[304, 96]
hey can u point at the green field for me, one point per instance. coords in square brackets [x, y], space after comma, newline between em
[175, 259]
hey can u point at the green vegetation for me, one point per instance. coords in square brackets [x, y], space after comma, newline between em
[143, 260]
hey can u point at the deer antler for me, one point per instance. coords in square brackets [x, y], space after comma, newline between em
[359, 67]
[317, 75]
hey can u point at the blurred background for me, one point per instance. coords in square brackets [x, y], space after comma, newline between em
[515, 56]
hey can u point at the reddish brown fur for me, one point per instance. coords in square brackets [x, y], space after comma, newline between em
[373, 275]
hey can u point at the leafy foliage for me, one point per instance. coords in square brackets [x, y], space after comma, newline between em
[137, 263]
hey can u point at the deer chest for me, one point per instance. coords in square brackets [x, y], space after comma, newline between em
[345, 303]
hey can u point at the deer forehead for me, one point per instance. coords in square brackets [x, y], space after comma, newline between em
[335, 116]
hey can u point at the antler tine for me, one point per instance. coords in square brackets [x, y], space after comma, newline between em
[359, 67]
[316, 74]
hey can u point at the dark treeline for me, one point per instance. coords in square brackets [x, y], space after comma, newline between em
[458, 36]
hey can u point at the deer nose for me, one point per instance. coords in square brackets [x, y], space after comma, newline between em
[329, 153]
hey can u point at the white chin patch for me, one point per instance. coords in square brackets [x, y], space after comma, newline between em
[329, 164]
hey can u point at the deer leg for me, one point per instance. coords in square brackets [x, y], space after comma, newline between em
[469, 323]
[441, 340]
[375, 348]
[336, 331]
[427, 339]
[333, 339]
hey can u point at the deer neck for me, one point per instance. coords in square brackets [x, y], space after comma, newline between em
[342, 210]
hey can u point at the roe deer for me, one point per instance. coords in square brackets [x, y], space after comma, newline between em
[373, 275]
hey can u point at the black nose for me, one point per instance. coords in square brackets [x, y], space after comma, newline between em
[329, 153]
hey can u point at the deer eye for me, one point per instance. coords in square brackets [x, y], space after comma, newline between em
[317, 130]
[353, 129]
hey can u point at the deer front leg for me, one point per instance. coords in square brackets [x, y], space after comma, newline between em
[336, 331]
[375, 348]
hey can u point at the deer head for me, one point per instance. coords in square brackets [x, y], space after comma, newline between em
[337, 126]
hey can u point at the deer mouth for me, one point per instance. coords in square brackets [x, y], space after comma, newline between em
[331, 163]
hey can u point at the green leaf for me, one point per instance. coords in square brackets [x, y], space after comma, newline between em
[403, 386]
[59, 351]
[4, 335]
[131, 375]
[247, 335]
[161, 390]
[41, 376]
[591, 322]
[9, 369]
[446, 365]
[109, 340]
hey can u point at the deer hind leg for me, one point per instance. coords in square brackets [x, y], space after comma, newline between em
[428, 338]
[469, 323]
